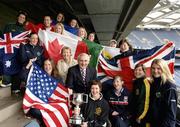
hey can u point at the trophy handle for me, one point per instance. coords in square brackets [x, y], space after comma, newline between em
[86, 98]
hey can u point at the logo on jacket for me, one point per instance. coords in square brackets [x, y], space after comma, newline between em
[38, 53]
[125, 98]
[137, 91]
[158, 94]
[98, 111]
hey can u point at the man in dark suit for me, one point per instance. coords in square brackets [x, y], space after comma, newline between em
[79, 76]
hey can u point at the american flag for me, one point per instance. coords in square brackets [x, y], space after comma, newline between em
[50, 97]
[109, 68]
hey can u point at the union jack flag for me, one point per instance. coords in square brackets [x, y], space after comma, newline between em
[9, 46]
[9, 42]
[107, 69]
[45, 93]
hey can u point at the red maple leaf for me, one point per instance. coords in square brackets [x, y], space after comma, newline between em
[54, 50]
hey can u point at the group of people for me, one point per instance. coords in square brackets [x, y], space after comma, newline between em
[152, 102]
[33, 51]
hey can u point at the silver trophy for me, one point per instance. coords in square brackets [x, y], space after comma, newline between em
[78, 99]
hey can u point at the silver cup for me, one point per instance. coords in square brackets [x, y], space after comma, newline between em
[78, 99]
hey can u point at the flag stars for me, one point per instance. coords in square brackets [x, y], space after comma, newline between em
[8, 63]
[43, 85]
[48, 93]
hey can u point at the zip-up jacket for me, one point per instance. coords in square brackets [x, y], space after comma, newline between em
[140, 98]
[163, 104]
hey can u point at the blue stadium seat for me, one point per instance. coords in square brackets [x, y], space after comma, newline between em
[148, 38]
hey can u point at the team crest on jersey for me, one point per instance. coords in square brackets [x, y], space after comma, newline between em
[158, 94]
[98, 111]
[137, 91]
[38, 53]
[125, 98]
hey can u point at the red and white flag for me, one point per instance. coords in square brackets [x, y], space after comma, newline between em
[43, 92]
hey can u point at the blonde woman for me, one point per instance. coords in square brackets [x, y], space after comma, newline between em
[64, 64]
[82, 32]
[163, 101]
[59, 28]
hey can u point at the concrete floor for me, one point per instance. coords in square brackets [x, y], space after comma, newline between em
[17, 120]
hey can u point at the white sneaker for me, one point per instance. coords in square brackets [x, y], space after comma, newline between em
[6, 85]
[16, 91]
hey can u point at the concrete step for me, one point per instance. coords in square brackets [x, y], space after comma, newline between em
[5, 92]
[17, 120]
[10, 106]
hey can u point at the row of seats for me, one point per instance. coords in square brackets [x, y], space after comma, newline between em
[148, 38]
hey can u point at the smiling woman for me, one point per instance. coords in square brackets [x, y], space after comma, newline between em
[29, 53]
[96, 111]
[163, 97]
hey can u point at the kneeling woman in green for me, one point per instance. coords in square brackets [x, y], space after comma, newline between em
[140, 97]
[96, 111]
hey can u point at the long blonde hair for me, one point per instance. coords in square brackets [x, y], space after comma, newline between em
[166, 74]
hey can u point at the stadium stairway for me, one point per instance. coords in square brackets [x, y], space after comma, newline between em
[11, 114]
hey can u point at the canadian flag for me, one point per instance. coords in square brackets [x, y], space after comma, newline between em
[54, 43]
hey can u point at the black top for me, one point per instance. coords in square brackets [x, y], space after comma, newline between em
[95, 112]
[119, 103]
[163, 103]
[14, 28]
[28, 51]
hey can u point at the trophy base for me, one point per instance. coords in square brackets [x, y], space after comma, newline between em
[75, 121]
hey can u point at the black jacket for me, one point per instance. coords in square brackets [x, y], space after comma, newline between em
[95, 112]
[75, 81]
[118, 103]
[28, 51]
[14, 28]
[140, 98]
[163, 104]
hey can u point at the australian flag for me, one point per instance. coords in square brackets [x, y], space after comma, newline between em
[9, 48]
[48, 95]
[109, 68]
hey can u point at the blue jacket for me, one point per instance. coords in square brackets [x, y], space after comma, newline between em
[27, 52]
[163, 104]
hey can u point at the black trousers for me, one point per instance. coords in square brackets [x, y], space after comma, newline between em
[118, 121]
[14, 79]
